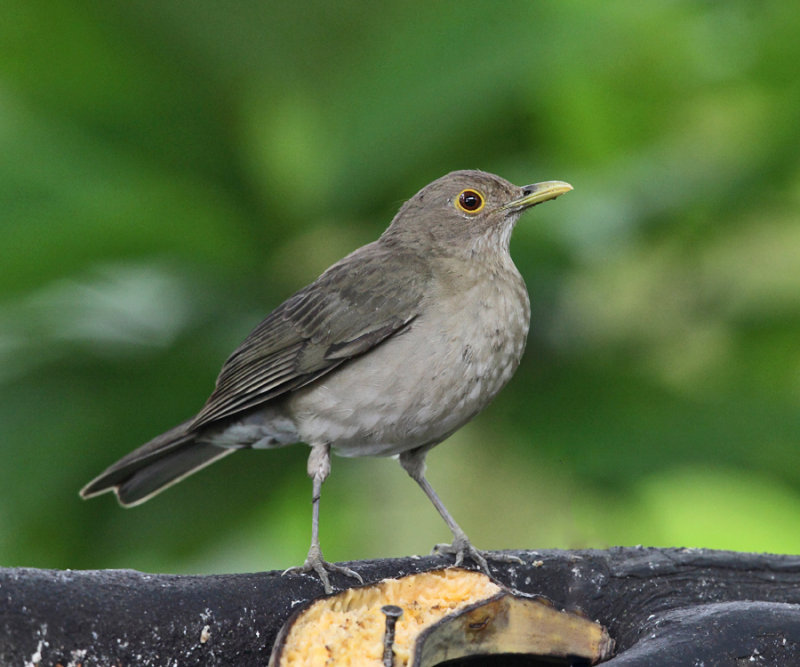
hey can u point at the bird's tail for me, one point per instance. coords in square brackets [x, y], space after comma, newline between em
[154, 466]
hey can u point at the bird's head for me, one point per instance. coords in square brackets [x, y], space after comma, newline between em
[468, 209]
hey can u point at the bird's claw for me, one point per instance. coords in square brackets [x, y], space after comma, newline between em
[315, 563]
[462, 547]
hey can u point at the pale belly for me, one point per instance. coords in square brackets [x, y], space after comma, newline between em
[419, 386]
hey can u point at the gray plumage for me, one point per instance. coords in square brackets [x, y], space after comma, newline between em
[388, 352]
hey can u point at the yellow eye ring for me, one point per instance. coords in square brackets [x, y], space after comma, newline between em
[470, 201]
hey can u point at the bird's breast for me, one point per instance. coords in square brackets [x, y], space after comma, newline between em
[419, 386]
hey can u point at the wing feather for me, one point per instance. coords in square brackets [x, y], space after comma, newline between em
[352, 307]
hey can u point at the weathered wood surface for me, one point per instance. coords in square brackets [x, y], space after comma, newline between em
[661, 606]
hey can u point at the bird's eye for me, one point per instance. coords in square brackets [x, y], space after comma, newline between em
[470, 201]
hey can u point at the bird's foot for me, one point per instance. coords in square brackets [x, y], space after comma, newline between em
[316, 563]
[462, 547]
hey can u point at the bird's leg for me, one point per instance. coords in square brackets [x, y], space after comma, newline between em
[319, 467]
[414, 464]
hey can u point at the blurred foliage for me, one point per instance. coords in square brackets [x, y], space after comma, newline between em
[169, 172]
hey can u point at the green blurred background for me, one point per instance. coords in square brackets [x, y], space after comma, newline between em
[171, 171]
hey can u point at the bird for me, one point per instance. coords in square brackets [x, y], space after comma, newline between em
[387, 353]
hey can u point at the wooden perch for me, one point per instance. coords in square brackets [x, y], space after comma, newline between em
[660, 606]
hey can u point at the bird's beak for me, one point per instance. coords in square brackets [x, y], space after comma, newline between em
[536, 194]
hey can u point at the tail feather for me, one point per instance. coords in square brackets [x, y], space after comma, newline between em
[154, 466]
[165, 472]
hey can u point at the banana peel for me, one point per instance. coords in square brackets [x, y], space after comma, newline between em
[421, 620]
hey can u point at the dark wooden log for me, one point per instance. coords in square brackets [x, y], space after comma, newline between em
[661, 606]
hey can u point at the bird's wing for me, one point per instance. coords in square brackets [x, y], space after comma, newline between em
[348, 310]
